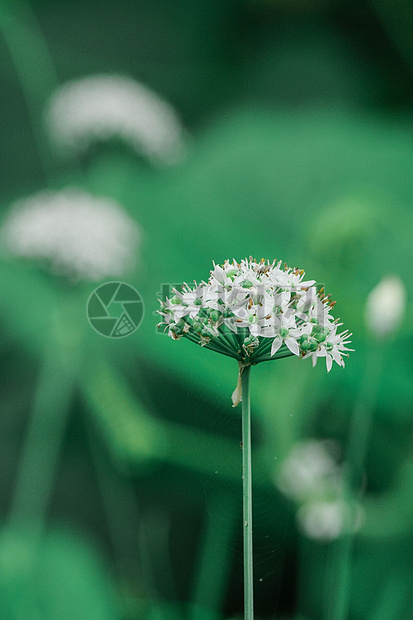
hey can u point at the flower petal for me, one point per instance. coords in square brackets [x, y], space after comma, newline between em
[277, 342]
[292, 345]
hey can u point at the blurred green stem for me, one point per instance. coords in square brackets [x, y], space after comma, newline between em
[397, 19]
[117, 490]
[33, 65]
[247, 494]
[357, 443]
[42, 444]
[211, 573]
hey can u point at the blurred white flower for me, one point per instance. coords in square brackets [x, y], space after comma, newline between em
[312, 477]
[385, 306]
[77, 234]
[327, 519]
[105, 106]
[310, 470]
[323, 520]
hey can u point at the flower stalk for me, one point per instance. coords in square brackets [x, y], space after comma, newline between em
[247, 494]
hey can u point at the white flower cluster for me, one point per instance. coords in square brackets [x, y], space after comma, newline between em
[257, 311]
[312, 476]
[99, 107]
[75, 233]
[326, 520]
[311, 471]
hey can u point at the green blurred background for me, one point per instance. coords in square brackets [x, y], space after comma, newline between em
[120, 462]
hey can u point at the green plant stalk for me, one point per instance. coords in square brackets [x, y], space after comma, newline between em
[211, 577]
[247, 495]
[42, 444]
[357, 445]
[33, 66]
[37, 470]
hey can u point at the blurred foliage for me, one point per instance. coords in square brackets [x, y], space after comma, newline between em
[301, 149]
[40, 581]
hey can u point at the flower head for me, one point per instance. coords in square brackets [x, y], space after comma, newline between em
[256, 311]
[99, 107]
[78, 235]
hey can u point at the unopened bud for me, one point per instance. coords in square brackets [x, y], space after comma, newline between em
[385, 306]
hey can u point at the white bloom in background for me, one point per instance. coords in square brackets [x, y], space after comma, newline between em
[323, 520]
[310, 470]
[312, 477]
[78, 235]
[100, 107]
[385, 306]
[256, 311]
[326, 520]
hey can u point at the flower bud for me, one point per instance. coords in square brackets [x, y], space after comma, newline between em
[385, 306]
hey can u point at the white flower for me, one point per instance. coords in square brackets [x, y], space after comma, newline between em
[255, 317]
[385, 306]
[77, 234]
[312, 476]
[327, 519]
[99, 107]
[323, 520]
[288, 333]
[309, 470]
[256, 311]
[291, 280]
[312, 306]
[332, 347]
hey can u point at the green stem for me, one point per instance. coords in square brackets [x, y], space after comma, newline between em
[34, 67]
[46, 427]
[211, 576]
[247, 495]
[357, 444]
